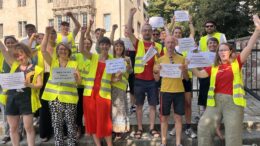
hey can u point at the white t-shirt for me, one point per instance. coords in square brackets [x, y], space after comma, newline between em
[26, 42]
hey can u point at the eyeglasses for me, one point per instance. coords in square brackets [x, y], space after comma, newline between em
[156, 34]
[224, 50]
[208, 26]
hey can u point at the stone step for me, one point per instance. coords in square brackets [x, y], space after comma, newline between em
[250, 138]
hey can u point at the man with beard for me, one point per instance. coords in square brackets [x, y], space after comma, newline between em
[144, 79]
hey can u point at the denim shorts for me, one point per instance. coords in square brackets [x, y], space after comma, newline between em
[143, 88]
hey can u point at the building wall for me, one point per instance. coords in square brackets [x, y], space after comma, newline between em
[11, 13]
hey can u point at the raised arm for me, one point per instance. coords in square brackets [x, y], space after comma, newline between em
[130, 25]
[46, 55]
[192, 30]
[170, 28]
[247, 50]
[31, 39]
[112, 34]
[76, 24]
[8, 58]
[91, 22]
[84, 51]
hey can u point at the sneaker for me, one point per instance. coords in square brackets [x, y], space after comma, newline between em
[173, 132]
[132, 109]
[197, 119]
[190, 133]
[179, 145]
[163, 144]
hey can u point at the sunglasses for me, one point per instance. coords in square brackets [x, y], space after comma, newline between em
[208, 26]
[156, 34]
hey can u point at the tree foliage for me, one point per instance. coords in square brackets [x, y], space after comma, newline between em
[233, 17]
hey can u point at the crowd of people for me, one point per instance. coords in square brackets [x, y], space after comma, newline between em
[100, 98]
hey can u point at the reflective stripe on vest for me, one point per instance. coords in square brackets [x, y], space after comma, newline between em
[65, 92]
[105, 88]
[71, 41]
[204, 39]
[238, 91]
[83, 67]
[139, 65]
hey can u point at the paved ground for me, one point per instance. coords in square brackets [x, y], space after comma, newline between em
[251, 121]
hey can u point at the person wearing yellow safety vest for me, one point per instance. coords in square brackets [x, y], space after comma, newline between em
[66, 36]
[226, 93]
[22, 102]
[9, 41]
[45, 127]
[144, 79]
[97, 92]
[83, 70]
[120, 119]
[62, 96]
[177, 33]
[210, 29]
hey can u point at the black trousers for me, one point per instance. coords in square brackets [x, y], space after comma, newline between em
[79, 121]
[45, 127]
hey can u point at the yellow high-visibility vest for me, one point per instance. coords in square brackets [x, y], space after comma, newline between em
[65, 92]
[122, 84]
[2, 93]
[105, 89]
[35, 101]
[139, 65]
[71, 41]
[238, 91]
[204, 39]
[83, 67]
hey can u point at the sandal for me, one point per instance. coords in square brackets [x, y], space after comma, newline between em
[138, 134]
[154, 133]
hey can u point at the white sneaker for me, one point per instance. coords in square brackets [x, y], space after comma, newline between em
[190, 133]
[173, 132]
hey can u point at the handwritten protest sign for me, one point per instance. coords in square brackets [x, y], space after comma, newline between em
[156, 22]
[149, 54]
[170, 70]
[12, 80]
[186, 44]
[181, 16]
[198, 60]
[115, 65]
[63, 75]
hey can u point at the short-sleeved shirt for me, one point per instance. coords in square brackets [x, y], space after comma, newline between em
[224, 77]
[172, 85]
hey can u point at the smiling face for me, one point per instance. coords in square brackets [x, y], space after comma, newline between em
[212, 46]
[104, 48]
[63, 51]
[87, 44]
[10, 42]
[30, 30]
[21, 56]
[119, 49]
[65, 28]
[177, 33]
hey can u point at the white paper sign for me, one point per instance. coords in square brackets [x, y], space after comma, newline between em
[181, 16]
[128, 44]
[186, 44]
[210, 56]
[198, 60]
[170, 70]
[149, 54]
[61, 75]
[12, 80]
[115, 65]
[156, 22]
